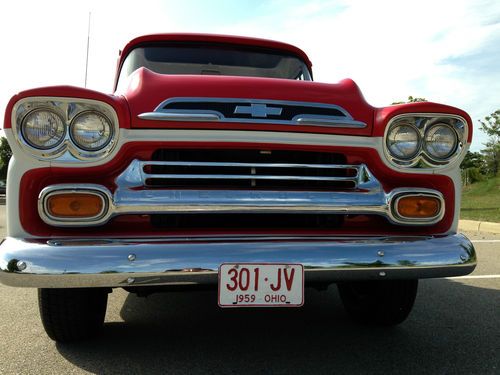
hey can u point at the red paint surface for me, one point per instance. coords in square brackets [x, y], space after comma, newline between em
[148, 89]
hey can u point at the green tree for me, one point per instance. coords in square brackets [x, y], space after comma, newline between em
[474, 160]
[473, 168]
[491, 126]
[5, 155]
[411, 99]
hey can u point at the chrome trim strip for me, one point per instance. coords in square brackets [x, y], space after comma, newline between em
[260, 165]
[105, 263]
[208, 117]
[162, 114]
[248, 177]
[177, 116]
[328, 121]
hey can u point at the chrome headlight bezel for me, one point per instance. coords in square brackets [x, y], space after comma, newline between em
[424, 122]
[68, 109]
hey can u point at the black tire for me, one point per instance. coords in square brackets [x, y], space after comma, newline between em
[72, 314]
[382, 303]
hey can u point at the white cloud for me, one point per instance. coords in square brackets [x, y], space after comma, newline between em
[394, 49]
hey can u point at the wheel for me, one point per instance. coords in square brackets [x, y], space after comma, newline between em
[384, 303]
[72, 314]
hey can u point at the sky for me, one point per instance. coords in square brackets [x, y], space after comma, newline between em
[444, 51]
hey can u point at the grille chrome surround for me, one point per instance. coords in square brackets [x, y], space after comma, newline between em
[133, 196]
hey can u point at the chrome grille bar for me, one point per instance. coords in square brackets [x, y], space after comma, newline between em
[245, 177]
[261, 165]
[351, 172]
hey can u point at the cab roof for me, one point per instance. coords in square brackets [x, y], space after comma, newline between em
[214, 38]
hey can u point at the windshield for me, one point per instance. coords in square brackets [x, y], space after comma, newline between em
[214, 59]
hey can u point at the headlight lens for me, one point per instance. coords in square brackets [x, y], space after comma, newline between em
[91, 131]
[43, 129]
[440, 141]
[403, 141]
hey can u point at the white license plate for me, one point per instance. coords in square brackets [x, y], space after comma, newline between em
[253, 284]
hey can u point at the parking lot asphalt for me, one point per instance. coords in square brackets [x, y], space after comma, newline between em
[453, 329]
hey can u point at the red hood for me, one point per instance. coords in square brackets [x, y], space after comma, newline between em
[148, 89]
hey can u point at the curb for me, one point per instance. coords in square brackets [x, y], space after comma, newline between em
[479, 226]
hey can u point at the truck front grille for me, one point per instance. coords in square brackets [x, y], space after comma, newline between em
[249, 169]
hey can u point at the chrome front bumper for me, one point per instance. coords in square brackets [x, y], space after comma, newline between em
[73, 263]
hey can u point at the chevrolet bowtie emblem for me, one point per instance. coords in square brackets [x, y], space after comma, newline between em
[257, 110]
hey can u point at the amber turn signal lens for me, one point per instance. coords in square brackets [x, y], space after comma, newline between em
[75, 205]
[418, 207]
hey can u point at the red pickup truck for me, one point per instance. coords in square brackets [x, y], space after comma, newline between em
[217, 161]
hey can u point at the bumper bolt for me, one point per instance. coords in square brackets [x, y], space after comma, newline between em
[131, 257]
[130, 280]
[382, 274]
[21, 266]
[380, 253]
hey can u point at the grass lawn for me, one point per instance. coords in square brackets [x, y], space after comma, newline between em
[481, 201]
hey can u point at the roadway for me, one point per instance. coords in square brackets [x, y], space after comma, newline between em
[454, 328]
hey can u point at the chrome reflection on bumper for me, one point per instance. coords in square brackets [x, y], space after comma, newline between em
[180, 260]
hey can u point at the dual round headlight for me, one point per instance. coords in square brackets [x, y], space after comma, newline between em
[91, 131]
[440, 141]
[45, 129]
[405, 141]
